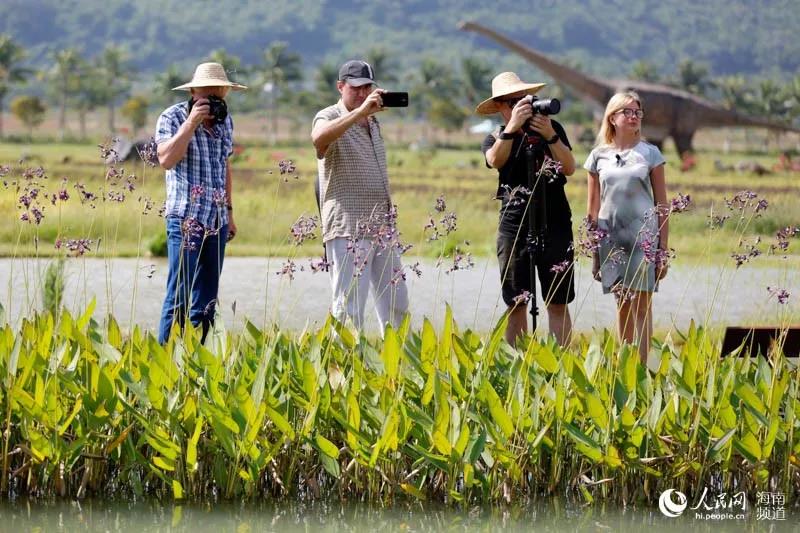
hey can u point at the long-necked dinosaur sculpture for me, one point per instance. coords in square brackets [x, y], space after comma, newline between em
[670, 112]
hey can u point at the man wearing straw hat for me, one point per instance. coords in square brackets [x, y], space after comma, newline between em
[358, 226]
[195, 142]
[506, 150]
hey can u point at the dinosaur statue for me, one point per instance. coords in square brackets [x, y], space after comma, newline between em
[670, 112]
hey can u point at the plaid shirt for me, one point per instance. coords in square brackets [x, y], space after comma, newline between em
[196, 184]
[354, 185]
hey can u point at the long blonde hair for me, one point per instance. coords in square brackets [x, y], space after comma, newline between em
[616, 104]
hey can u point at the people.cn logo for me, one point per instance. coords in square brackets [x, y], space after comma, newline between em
[668, 506]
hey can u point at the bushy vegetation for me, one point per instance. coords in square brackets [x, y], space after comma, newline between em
[440, 415]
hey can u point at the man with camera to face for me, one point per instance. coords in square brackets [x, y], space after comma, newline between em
[195, 142]
[358, 226]
[531, 145]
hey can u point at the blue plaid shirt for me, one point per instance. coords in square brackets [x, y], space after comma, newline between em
[196, 184]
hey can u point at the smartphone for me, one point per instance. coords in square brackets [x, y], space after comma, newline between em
[394, 99]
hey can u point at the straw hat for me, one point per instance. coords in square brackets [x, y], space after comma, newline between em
[210, 75]
[504, 84]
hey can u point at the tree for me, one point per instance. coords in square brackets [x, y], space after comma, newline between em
[163, 84]
[231, 63]
[115, 73]
[735, 93]
[644, 71]
[447, 114]
[11, 72]
[692, 77]
[135, 110]
[477, 83]
[65, 76]
[325, 81]
[29, 110]
[280, 67]
[382, 65]
[90, 93]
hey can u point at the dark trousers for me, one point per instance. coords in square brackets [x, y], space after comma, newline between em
[195, 264]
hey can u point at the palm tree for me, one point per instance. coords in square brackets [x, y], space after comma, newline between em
[325, 81]
[280, 67]
[164, 82]
[692, 77]
[11, 55]
[477, 83]
[231, 63]
[116, 73]
[644, 71]
[382, 65]
[65, 76]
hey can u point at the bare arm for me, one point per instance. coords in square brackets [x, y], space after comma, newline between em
[232, 229]
[172, 151]
[659, 183]
[498, 154]
[593, 201]
[326, 132]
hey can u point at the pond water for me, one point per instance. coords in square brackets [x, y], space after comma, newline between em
[546, 515]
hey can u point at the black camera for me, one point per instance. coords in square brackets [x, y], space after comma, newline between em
[217, 108]
[549, 106]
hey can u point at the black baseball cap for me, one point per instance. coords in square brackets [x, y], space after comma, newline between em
[357, 73]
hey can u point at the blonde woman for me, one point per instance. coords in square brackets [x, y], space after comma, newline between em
[628, 203]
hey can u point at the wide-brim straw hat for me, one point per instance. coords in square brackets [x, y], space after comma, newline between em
[210, 75]
[504, 84]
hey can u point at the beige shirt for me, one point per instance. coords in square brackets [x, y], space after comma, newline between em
[353, 182]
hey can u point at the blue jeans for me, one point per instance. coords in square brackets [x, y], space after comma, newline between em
[195, 264]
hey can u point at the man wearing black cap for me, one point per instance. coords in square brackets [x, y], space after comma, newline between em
[358, 221]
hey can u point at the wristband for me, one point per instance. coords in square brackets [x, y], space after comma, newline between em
[553, 139]
[230, 207]
[505, 136]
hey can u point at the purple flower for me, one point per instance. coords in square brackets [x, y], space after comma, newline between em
[449, 222]
[78, 246]
[304, 229]
[782, 238]
[416, 269]
[522, 298]
[196, 192]
[741, 200]
[761, 205]
[63, 195]
[561, 267]
[288, 269]
[440, 204]
[740, 259]
[621, 293]
[319, 265]
[107, 151]
[399, 275]
[286, 166]
[589, 237]
[680, 203]
[461, 261]
[149, 152]
[781, 294]
[192, 230]
[716, 221]
[37, 214]
[115, 196]
[219, 197]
